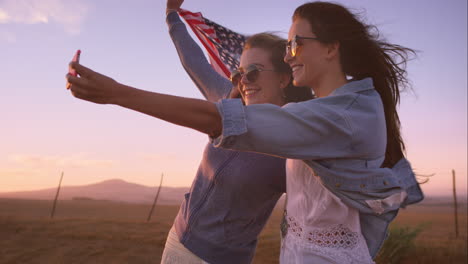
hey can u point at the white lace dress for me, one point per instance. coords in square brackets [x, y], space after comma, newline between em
[321, 229]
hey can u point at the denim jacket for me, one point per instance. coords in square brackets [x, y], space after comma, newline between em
[342, 137]
[233, 193]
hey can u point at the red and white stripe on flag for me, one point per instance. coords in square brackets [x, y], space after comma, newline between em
[206, 35]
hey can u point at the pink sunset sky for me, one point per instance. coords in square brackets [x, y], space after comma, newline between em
[45, 131]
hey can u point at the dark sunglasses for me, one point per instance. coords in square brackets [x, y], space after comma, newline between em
[251, 73]
[291, 46]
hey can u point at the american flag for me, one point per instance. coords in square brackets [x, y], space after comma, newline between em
[223, 45]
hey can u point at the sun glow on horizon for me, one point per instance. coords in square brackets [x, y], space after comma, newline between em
[46, 131]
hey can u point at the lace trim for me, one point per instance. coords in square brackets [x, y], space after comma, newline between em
[337, 243]
[295, 252]
[337, 237]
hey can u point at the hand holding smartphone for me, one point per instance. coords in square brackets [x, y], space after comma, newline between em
[71, 71]
[76, 58]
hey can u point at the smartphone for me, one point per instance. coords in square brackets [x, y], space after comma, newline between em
[76, 58]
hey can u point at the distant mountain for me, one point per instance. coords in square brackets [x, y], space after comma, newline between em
[445, 199]
[122, 191]
[114, 190]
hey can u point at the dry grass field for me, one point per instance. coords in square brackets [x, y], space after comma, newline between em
[110, 232]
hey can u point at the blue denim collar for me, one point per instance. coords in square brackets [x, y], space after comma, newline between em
[355, 86]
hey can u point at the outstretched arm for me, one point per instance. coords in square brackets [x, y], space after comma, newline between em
[211, 84]
[315, 129]
[94, 87]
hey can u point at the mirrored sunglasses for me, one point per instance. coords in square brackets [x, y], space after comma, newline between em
[294, 43]
[251, 74]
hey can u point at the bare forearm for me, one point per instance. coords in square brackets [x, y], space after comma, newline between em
[193, 113]
[97, 88]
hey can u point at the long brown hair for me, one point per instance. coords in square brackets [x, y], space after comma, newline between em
[364, 54]
[276, 46]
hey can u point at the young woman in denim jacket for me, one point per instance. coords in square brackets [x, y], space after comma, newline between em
[347, 176]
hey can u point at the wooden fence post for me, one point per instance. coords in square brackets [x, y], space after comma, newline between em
[455, 204]
[155, 199]
[56, 196]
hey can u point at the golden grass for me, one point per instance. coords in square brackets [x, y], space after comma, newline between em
[110, 232]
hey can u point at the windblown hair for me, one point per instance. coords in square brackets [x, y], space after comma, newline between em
[364, 54]
[276, 46]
